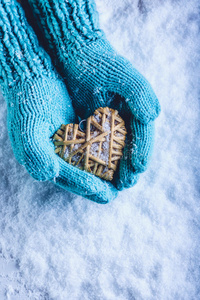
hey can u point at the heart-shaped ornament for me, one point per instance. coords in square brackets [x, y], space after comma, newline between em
[99, 148]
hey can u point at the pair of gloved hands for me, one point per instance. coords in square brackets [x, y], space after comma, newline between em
[95, 75]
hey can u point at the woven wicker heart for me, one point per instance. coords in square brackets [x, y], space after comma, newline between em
[99, 148]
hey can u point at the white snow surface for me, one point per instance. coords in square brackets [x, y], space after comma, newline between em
[145, 244]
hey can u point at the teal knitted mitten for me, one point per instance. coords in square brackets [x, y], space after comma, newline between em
[97, 76]
[38, 103]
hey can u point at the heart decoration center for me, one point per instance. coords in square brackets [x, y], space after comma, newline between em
[99, 148]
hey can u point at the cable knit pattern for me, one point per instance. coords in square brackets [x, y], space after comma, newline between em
[71, 24]
[37, 104]
[20, 54]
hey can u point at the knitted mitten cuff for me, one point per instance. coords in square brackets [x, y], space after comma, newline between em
[20, 55]
[67, 25]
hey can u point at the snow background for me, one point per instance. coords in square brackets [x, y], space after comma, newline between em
[145, 244]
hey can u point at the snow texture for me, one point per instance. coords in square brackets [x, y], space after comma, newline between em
[145, 244]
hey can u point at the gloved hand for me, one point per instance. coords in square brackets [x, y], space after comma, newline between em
[97, 76]
[38, 103]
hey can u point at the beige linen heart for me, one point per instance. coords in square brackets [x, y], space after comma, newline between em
[99, 148]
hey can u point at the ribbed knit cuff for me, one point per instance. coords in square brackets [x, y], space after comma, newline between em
[67, 25]
[21, 57]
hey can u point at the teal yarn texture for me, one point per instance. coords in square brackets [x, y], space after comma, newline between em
[97, 76]
[37, 104]
[88, 62]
